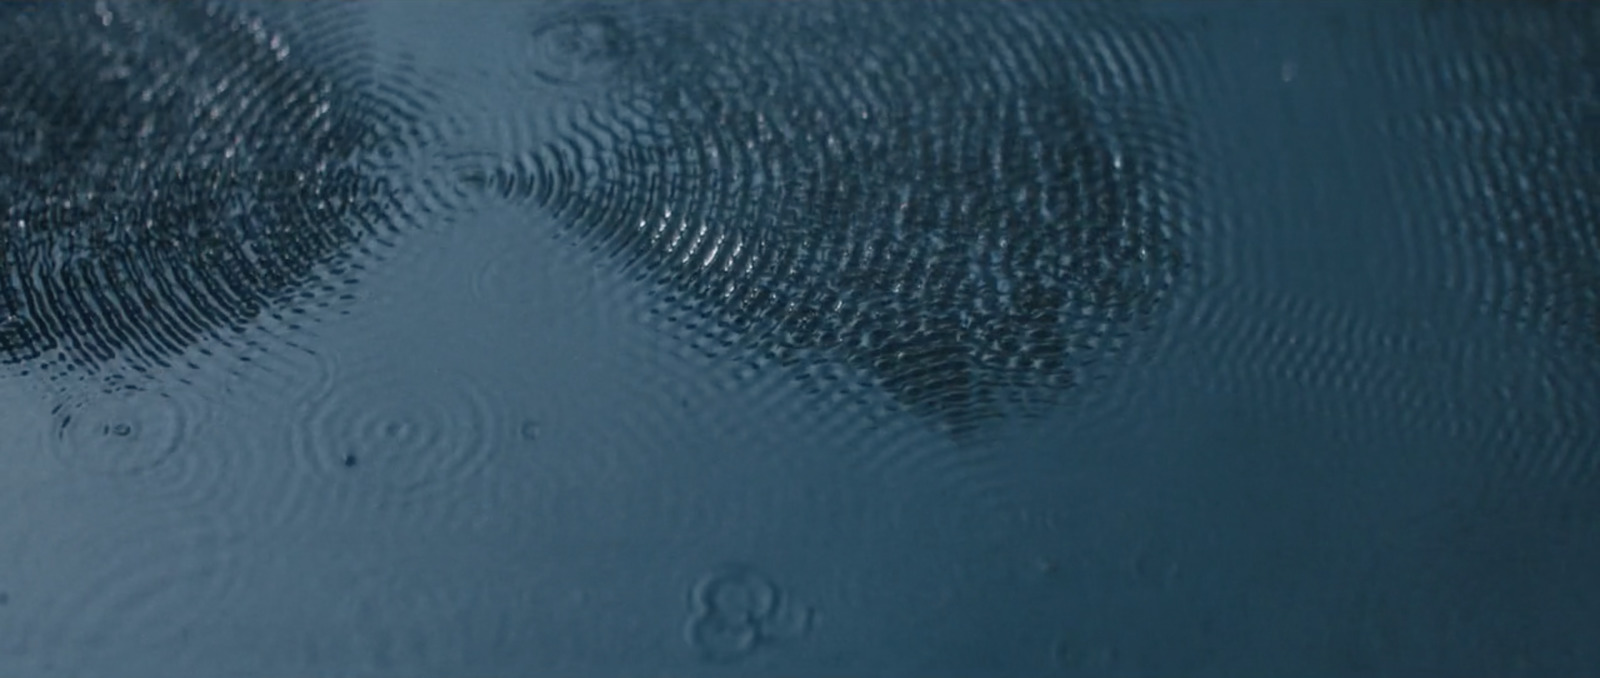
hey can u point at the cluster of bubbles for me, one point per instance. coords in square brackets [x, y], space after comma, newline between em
[736, 611]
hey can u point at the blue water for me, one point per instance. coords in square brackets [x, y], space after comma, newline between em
[1167, 339]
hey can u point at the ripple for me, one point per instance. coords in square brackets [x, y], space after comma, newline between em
[99, 581]
[394, 435]
[737, 593]
[1495, 179]
[1494, 127]
[120, 434]
[200, 445]
[528, 273]
[187, 174]
[722, 641]
[814, 406]
[577, 45]
[737, 610]
[974, 256]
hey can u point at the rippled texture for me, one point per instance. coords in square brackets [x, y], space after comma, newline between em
[391, 434]
[126, 435]
[94, 584]
[737, 610]
[171, 173]
[1507, 107]
[1498, 105]
[968, 208]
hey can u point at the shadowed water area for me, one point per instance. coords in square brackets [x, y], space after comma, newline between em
[822, 338]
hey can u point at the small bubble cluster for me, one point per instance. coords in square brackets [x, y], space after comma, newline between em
[736, 611]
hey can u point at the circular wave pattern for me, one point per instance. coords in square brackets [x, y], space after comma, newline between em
[165, 447]
[576, 46]
[737, 593]
[173, 173]
[396, 436]
[973, 208]
[118, 436]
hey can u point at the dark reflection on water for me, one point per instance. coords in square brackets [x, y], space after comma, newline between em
[802, 339]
